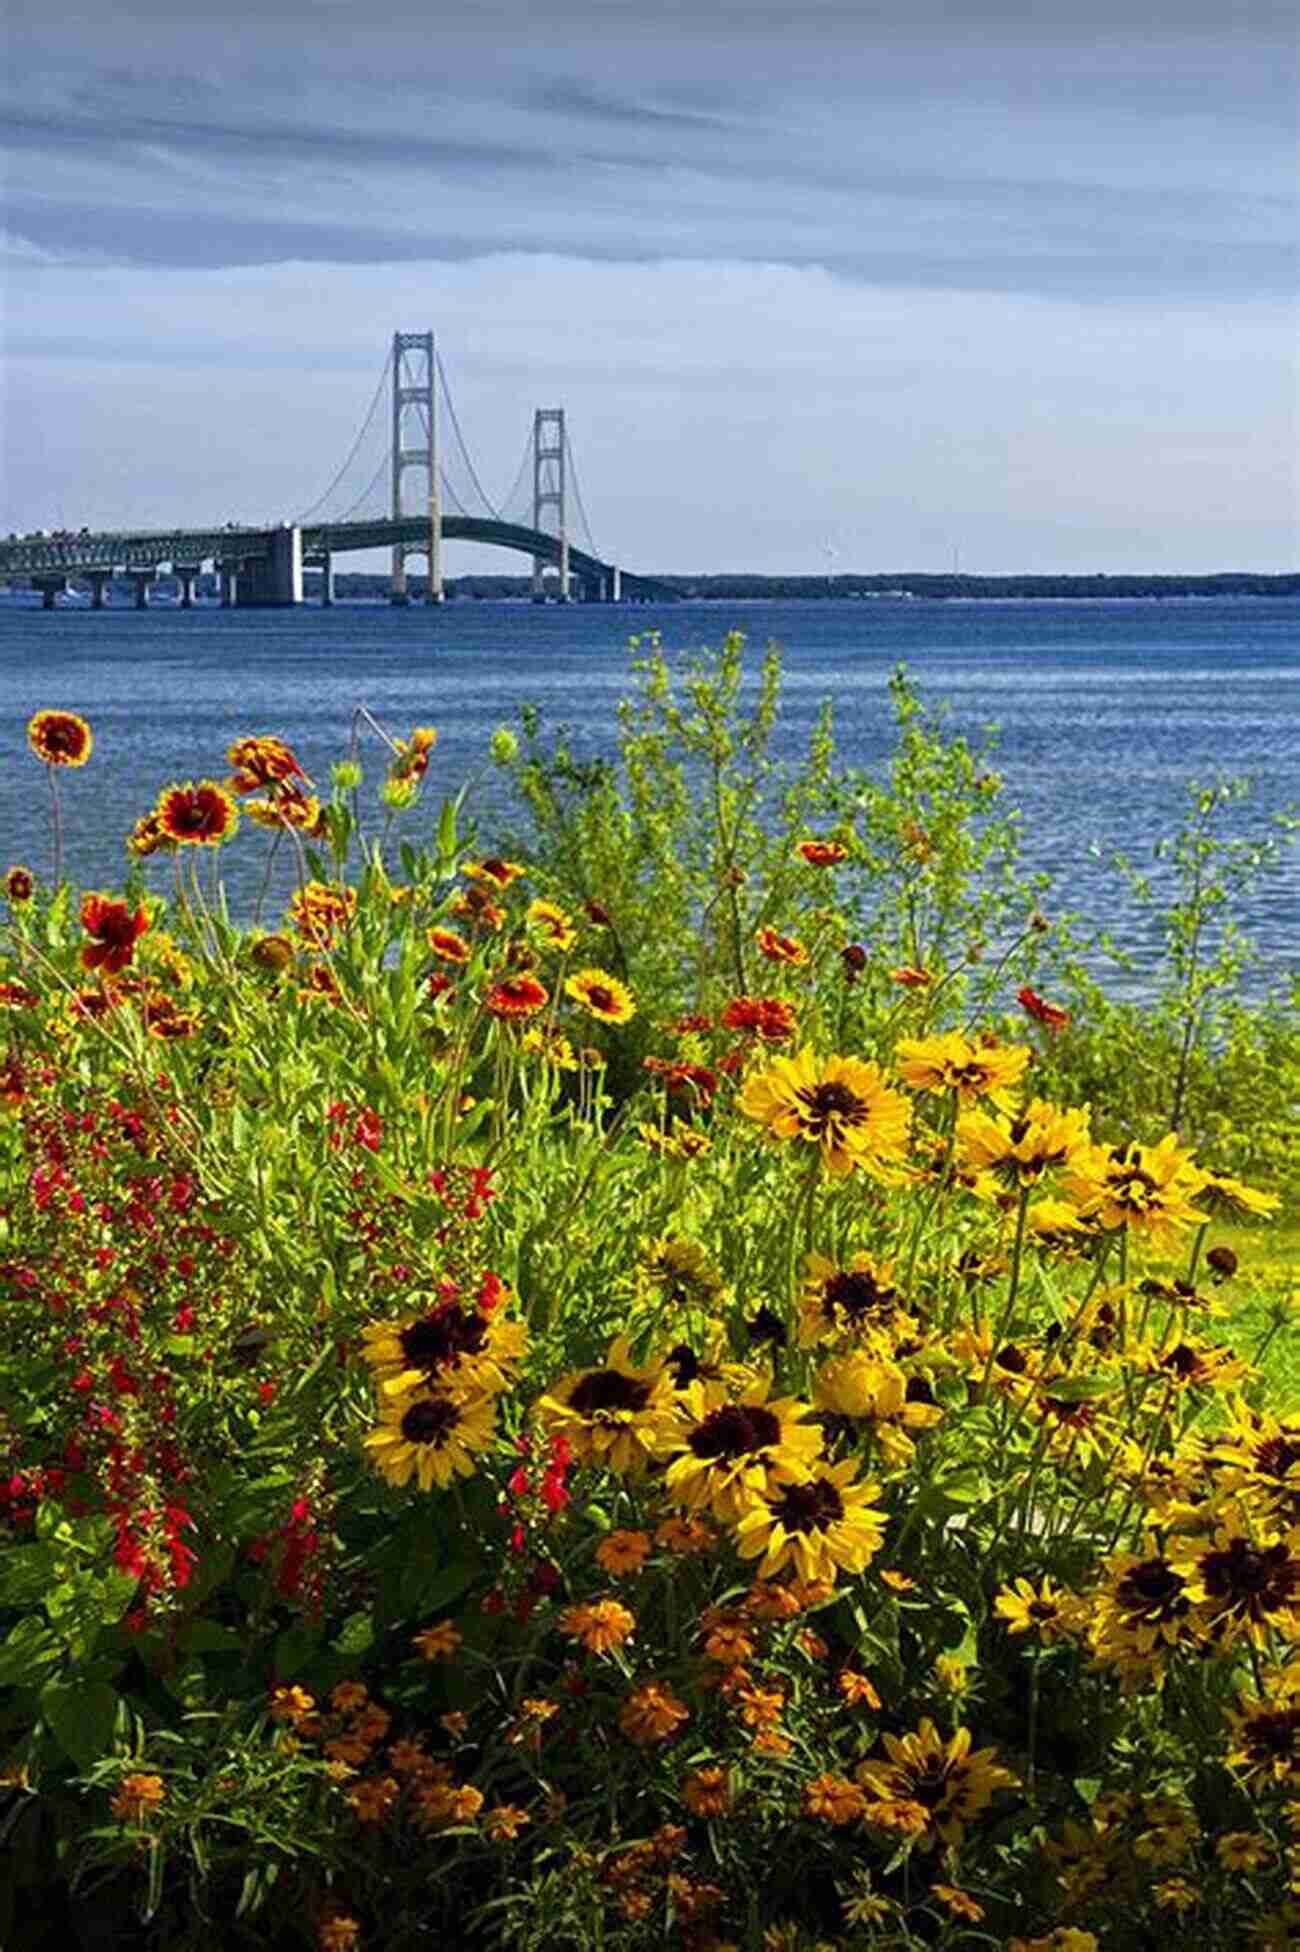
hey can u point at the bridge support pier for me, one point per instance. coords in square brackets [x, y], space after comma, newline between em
[229, 576]
[275, 579]
[99, 580]
[140, 582]
[615, 585]
[326, 581]
[187, 575]
[49, 587]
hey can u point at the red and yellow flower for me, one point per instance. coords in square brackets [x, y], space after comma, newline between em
[114, 929]
[60, 738]
[202, 815]
[601, 995]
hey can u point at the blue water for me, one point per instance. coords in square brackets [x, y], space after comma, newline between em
[1106, 711]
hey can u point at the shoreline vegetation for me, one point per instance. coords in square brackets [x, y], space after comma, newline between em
[927, 587]
[674, 1377]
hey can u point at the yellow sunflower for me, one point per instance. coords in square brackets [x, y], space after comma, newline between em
[857, 1299]
[614, 1413]
[1042, 1138]
[433, 1437]
[730, 1450]
[868, 1388]
[838, 1104]
[949, 1062]
[821, 1523]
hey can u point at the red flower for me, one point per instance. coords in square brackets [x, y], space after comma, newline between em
[823, 853]
[516, 996]
[1050, 1014]
[197, 816]
[765, 1017]
[114, 931]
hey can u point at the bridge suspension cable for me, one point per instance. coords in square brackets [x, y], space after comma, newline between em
[355, 448]
[460, 438]
[577, 494]
[360, 504]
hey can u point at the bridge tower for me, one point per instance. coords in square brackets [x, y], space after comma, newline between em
[549, 449]
[415, 445]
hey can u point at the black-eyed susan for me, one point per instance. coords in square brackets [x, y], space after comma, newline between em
[950, 1062]
[1147, 1189]
[1224, 1197]
[679, 1271]
[1039, 1140]
[432, 1437]
[1266, 1733]
[952, 1783]
[729, 1449]
[202, 815]
[60, 738]
[614, 1414]
[1141, 1609]
[839, 1105]
[1243, 1580]
[601, 995]
[463, 1350]
[855, 1299]
[1045, 1609]
[866, 1388]
[1259, 1455]
[822, 1524]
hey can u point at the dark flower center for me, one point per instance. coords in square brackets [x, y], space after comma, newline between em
[857, 1293]
[1274, 1732]
[1258, 1578]
[1276, 1457]
[809, 1507]
[440, 1339]
[684, 1363]
[1185, 1361]
[736, 1430]
[832, 1103]
[608, 1389]
[1153, 1590]
[929, 1783]
[1012, 1359]
[600, 998]
[430, 1420]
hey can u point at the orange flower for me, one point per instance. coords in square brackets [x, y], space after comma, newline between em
[372, 1798]
[60, 738]
[19, 885]
[197, 816]
[114, 932]
[834, 1798]
[503, 1822]
[137, 1797]
[823, 853]
[707, 1792]
[448, 946]
[911, 979]
[411, 758]
[260, 763]
[147, 837]
[781, 948]
[857, 1689]
[601, 1626]
[1035, 1006]
[652, 1714]
[319, 912]
[437, 1643]
[623, 1552]
[291, 1704]
[516, 996]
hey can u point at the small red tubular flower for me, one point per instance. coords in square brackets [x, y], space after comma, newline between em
[114, 932]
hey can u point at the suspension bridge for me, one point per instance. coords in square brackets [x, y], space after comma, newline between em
[401, 488]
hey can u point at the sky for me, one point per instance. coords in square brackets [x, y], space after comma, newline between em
[846, 285]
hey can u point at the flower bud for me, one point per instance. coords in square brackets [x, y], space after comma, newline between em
[504, 746]
[346, 775]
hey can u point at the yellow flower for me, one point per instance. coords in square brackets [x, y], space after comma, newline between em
[1220, 1194]
[291, 1704]
[858, 1299]
[951, 1783]
[437, 1643]
[550, 923]
[1176, 1894]
[433, 1437]
[372, 1798]
[338, 1934]
[818, 1525]
[652, 1713]
[460, 1350]
[949, 1062]
[623, 1552]
[601, 995]
[730, 1450]
[1242, 1580]
[1243, 1850]
[837, 1104]
[615, 1414]
[866, 1387]
[958, 1902]
[600, 1626]
[1026, 1609]
[1147, 1189]
[1041, 1139]
[503, 1822]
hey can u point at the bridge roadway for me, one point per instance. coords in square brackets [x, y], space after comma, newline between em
[264, 566]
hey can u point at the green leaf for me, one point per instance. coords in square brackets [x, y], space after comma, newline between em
[1080, 1389]
[26, 1573]
[81, 1717]
[447, 830]
[29, 1653]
